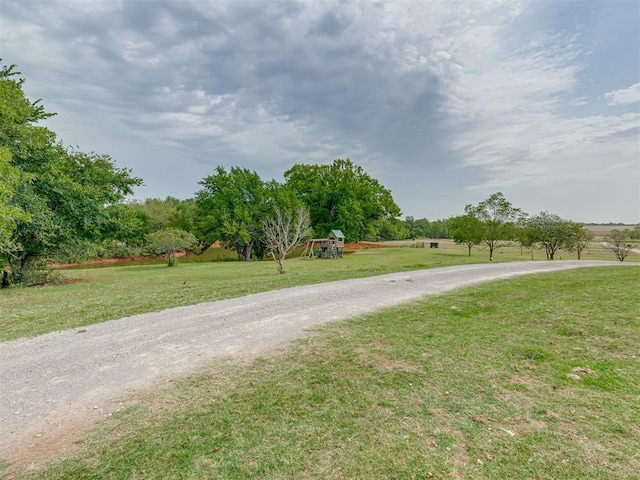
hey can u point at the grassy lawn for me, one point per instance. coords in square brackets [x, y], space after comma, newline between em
[92, 295]
[533, 377]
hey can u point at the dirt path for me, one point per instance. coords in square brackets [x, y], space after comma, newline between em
[55, 387]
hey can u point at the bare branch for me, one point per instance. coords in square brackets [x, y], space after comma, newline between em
[284, 232]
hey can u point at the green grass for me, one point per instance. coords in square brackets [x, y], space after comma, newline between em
[470, 384]
[92, 295]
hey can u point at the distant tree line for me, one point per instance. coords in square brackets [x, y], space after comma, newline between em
[495, 222]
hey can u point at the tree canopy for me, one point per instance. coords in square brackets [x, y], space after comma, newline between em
[466, 230]
[499, 220]
[549, 231]
[231, 207]
[54, 195]
[342, 196]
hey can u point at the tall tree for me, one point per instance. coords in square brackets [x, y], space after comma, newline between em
[231, 207]
[61, 192]
[499, 221]
[342, 196]
[9, 214]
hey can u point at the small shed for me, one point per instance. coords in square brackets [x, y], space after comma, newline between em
[330, 247]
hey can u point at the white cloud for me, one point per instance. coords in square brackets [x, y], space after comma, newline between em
[625, 95]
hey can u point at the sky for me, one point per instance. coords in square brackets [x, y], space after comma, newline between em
[444, 102]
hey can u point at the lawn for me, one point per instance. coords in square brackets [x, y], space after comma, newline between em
[532, 377]
[92, 295]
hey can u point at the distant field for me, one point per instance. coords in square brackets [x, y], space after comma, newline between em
[603, 230]
[595, 251]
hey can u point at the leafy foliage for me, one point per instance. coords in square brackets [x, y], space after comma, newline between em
[578, 239]
[231, 207]
[549, 231]
[169, 240]
[499, 220]
[56, 195]
[466, 230]
[342, 196]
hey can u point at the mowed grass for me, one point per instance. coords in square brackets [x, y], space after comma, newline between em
[93, 295]
[532, 377]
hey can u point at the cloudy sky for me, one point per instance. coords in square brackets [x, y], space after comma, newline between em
[445, 102]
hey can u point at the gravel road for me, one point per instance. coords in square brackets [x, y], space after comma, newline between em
[56, 386]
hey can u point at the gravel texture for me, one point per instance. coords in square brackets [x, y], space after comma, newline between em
[56, 386]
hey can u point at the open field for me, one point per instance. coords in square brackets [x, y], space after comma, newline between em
[92, 295]
[604, 230]
[533, 377]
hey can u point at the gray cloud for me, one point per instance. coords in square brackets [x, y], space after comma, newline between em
[456, 100]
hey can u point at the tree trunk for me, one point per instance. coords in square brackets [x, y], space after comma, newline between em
[247, 251]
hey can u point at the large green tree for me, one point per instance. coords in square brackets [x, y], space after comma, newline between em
[9, 214]
[342, 196]
[499, 221]
[59, 194]
[231, 206]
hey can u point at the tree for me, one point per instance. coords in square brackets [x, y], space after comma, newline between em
[169, 240]
[578, 239]
[283, 233]
[184, 215]
[499, 221]
[9, 214]
[618, 244]
[160, 212]
[231, 207]
[550, 231]
[466, 230]
[127, 223]
[60, 194]
[420, 228]
[390, 229]
[342, 196]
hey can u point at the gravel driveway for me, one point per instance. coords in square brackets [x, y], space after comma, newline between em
[56, 386]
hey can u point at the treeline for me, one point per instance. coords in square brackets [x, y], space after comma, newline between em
[495, 222]
[58, 204]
